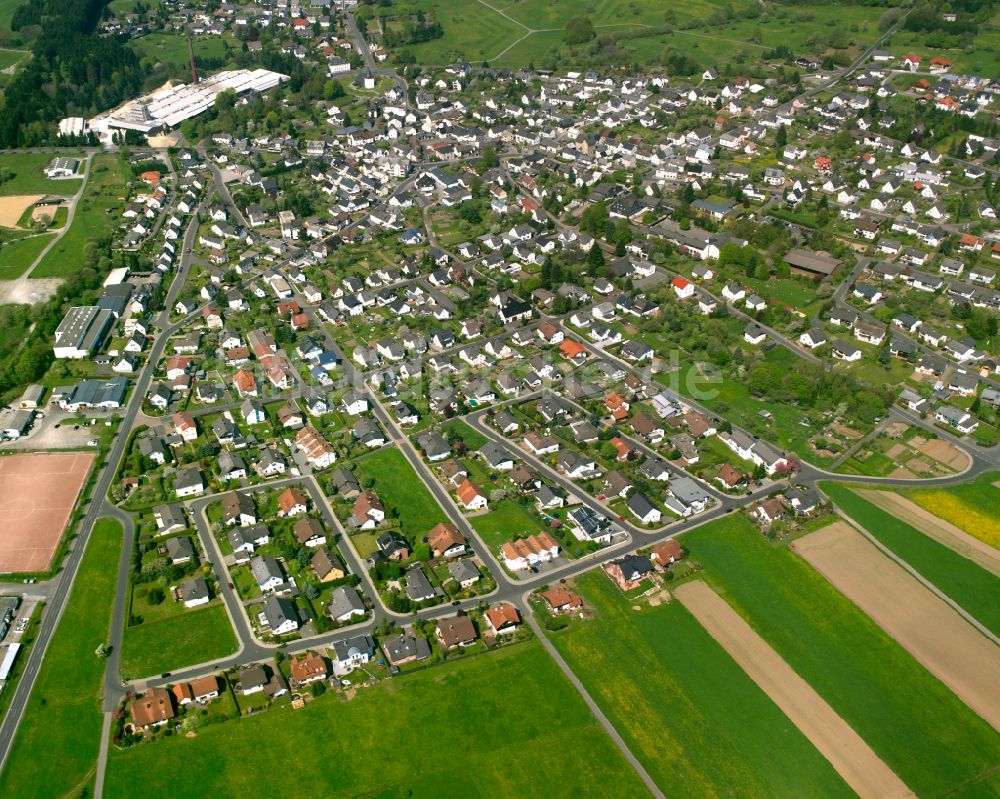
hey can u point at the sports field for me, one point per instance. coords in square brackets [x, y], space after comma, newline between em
[949, 647]
[694, 719]
[506, 723]
[37, 493]
[934, 742]
[13, 207]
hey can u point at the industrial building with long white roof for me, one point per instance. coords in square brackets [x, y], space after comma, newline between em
[167, 107]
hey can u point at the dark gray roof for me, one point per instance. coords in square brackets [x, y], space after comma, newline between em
[345, 600]
[278, 610]
[418, 587]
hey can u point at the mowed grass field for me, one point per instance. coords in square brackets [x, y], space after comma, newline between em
[717, 44]
[503, 724]
[983, 58]
[470, 29]
[696, 721]
[401, 491]
[97, 215]
[7, 9]
[476, 32]
[25, 175]
[967, 583]
[972, 506]
[55, 749]
[176, 642]
[932, 741]
[171, 48]
[18, 254]
[10, 57]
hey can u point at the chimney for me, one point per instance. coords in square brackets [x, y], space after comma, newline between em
[194, 71]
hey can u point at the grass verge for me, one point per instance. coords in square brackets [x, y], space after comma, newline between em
[55, 749]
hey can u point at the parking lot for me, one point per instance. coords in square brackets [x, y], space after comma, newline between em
[56, 429]
[19, 622]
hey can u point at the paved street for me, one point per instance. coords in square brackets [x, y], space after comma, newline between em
[511, 588]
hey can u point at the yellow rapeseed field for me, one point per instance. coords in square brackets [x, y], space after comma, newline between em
[945, 505]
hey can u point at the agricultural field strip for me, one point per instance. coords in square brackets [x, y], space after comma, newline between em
[944, 532]
[853, 759]
[888, 552]
[595, 710]
[477, 706]
[698, 721]
[920, 621]
[970, 506]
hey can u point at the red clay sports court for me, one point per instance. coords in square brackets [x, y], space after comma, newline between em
[37, 493]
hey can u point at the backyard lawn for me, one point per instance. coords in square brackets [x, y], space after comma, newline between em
[971, 506]
[734, 401]
[922, 731]
[520, 729]
[472, 438]
[55, 750]
[793, 293]
[698, 723]
[967, 583]
[176, 642]
[96, 217]
[506, 521]
[401, 491]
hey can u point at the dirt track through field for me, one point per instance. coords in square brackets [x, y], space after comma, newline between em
[923, 624]
[853, 759]
[968, 546]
